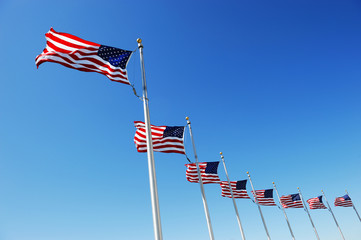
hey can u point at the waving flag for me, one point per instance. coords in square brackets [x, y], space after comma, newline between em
[344, 201]
[316, 203]
[73, 52]
[208, 172]
[238, 189]
[264, 197]
[291, 201]
[165, 139]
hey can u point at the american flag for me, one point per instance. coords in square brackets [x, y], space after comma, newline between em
[165, 139]
[238, 189]
[74, 52]
[264, 197]
[208, 172]
[316, 203]
[291, 201]
[344, 201]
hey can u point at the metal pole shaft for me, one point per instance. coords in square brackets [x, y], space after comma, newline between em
[356, 212]
[284, 212]
[209, 224]
[354, 208]
[334, 218]
[305, 207]
[259, 208]
[234, 202]
[151, 166]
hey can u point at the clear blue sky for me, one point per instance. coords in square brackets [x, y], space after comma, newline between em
[275, 85]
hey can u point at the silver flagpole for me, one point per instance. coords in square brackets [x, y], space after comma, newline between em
[210, 230]
[305, 207]
[151, 166]
[354, 207]
[259, 208]
[234, 202]
[334, 218]
[284, 212]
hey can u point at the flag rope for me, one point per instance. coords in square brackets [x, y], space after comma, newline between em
[133, 85]
[184, 140]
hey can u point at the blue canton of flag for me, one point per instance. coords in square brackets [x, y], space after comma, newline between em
[115, 56]
[268, 193]
[173, 132]
[346, 197]
[241, 184]
[295, 197]
[212, 167]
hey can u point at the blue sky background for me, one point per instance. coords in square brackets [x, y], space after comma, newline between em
[275, 85]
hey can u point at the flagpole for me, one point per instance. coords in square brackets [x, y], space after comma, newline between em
[209, 224]
[354, 207]
[284, 212]
[151, 166]
[305, 208]
[259, 208]
[334, 218]
[234, 202]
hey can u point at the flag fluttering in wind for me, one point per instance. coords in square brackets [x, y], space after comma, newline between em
[291, 201]
[238, 189]
[208, 172]
[264, 197]
[74, 52]
[165, 139]
[344, 201]
[316, 203]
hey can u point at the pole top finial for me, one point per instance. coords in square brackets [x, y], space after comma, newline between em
[273, 182]
[298, 188]
[139, 40]
[221, 153]
[247, 172]
[187, 118]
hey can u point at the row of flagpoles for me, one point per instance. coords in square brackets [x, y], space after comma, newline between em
[171, 140]
[265, 198]
[74, 52]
